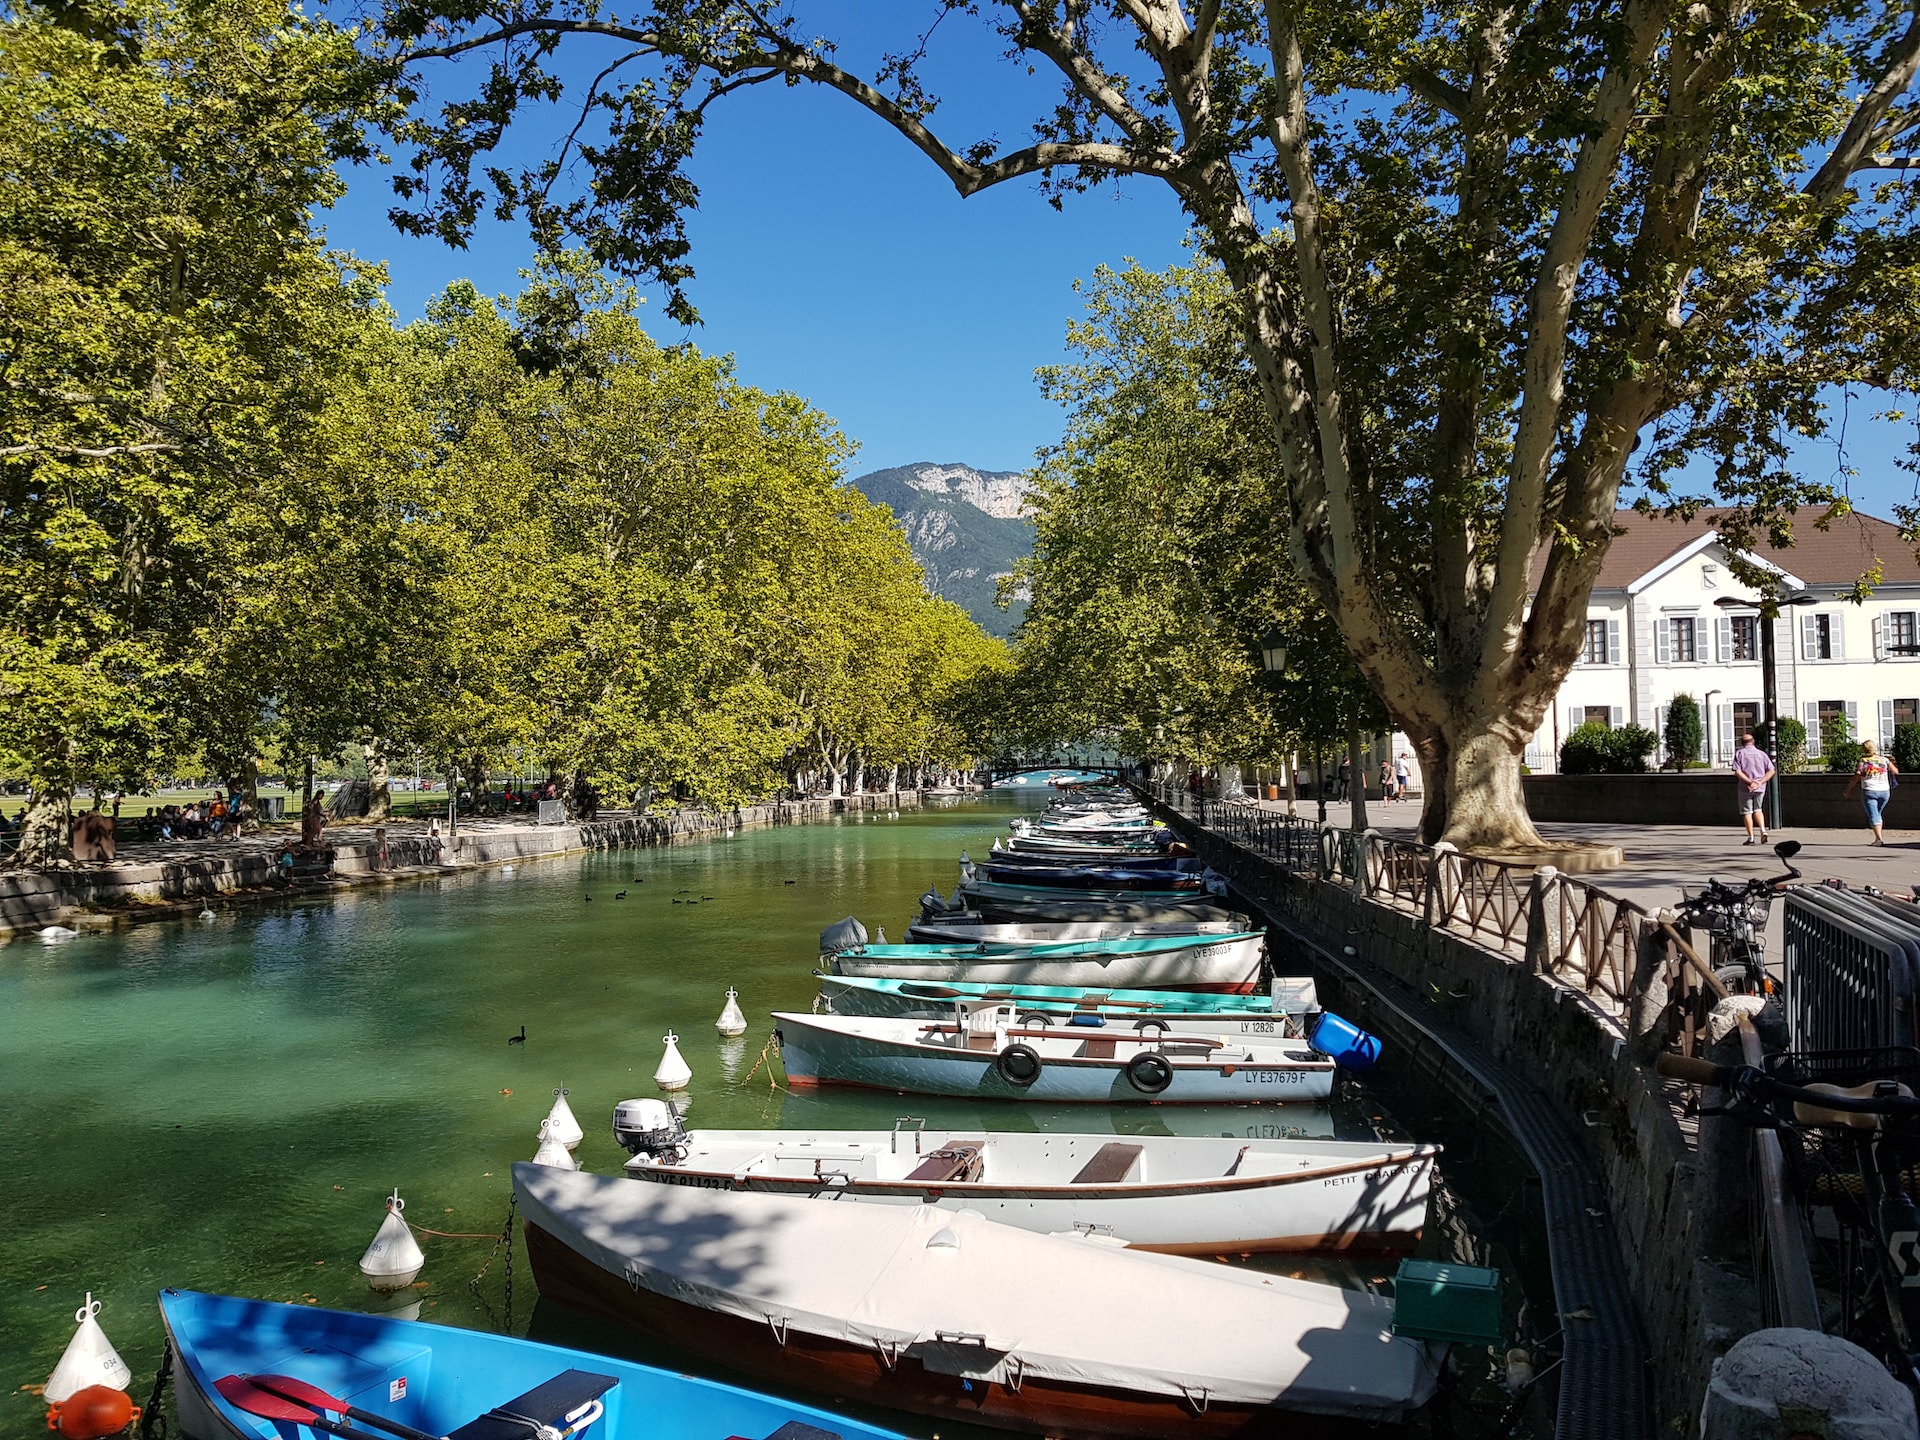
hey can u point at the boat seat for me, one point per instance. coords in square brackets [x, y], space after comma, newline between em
[958, 1161]
[1111, 1163]
[798, 1430]
[549, 1403]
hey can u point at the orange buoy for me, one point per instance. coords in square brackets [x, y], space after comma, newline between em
[92, 1414]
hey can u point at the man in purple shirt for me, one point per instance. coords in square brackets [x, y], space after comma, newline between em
[1752, 770]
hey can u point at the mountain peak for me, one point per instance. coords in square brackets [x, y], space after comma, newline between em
[967, 528]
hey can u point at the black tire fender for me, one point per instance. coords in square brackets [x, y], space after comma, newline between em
[1018, 1065]
[1149, 1072]
[1149, 1024]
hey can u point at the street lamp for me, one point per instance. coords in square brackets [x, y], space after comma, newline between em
[1768, 606]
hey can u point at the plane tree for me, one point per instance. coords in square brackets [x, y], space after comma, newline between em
[1478, 252]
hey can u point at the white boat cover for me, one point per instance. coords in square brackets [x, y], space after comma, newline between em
[966, 1296]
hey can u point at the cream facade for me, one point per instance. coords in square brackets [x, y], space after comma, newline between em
[1685, 626]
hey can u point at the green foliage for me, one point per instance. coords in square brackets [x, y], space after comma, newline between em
[1597, 749]
[1155, 575]
[1683, 733]
[1906, 749]
[1790, 753]
[1841, 752]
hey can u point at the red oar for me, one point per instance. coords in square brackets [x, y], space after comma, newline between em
[301, 1393]
[243, 1394]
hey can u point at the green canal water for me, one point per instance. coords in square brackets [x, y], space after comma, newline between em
[224, 1105]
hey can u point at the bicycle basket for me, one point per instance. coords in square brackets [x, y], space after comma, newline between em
[1846, 1067]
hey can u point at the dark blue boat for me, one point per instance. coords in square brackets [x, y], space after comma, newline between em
[238, 1360]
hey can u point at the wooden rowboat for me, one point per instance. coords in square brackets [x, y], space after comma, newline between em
[949, 1314]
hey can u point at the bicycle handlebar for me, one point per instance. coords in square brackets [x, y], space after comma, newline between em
[1755, 1084]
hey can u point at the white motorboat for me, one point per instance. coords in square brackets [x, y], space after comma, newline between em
[1220, 964]
[985, 1051]
[967, 927]
[948, 1313]
[1187, 1195]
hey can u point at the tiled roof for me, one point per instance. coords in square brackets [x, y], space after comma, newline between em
[1838, 555]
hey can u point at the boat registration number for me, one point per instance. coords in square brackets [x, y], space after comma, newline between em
[1275, 1077]
[1258, 1027]
[698, 1182]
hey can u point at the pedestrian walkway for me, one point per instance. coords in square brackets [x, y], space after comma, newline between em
[1661, 859]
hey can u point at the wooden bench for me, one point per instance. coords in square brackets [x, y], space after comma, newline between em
[1111, 1164]
[959, 1161]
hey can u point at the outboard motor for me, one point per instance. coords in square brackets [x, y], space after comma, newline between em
[847, 934]
[649, 1127]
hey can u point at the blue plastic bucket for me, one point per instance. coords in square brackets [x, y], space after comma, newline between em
[1350, 1047]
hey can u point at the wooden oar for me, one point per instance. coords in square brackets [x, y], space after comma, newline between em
[243, 1394]
[301, 1393]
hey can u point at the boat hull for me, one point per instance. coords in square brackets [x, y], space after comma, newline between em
[961, 928]
[1018, 902]
[1226, 1015]
[818, 1055]
[437, 1377]
[1226, 966]
[1343, 1197]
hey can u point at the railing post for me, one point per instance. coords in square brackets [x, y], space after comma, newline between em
[1364, 880]
[1443, 885]
[1545, 942]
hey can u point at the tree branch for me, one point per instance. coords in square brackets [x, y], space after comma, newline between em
[1543, 381]
[1089, 79]
[1857, 140]
[81, 452]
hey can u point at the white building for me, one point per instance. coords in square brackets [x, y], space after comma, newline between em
[1656, 629]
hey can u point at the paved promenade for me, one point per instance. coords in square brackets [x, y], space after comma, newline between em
[1661, 859]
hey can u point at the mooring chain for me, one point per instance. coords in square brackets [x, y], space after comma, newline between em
[504, 1238]
[768, 1053]
[153, 1420]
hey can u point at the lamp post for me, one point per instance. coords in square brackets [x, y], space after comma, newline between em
[1769, 606]
[1711, 729]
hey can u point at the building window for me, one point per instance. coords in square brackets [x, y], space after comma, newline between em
[1906, 712]
[1821, 637]
[1597, 715]
[1596, 651]
[1900, 632]
[1743, 634]
[1684, 650]
[1746, 719]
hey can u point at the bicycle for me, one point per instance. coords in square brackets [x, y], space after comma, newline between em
[1736, 918]
[1850, 1126]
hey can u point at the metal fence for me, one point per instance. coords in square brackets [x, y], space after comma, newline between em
[1848, 969]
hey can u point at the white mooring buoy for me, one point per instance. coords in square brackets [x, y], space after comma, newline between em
[394, 1258]
[731, 1021]
[551, 1151]
[566, 1129]
[673, 1073]
[89, 1359]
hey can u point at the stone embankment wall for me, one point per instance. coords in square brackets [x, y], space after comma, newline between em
[30, 899]
[1546, 1033]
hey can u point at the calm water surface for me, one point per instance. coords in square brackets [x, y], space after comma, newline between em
[224, 1106]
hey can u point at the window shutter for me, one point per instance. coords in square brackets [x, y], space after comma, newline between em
[1809, 640]
[1886, 726]
[1723, 637]
[1613, 642]
[1573, 718]
[1619, 716]
[1810, 717]
[1660, 729]
[1726, 730]
[1706, 732]
[1879, 638]
[1853, 719]
[1662, 641]
[1837, 635]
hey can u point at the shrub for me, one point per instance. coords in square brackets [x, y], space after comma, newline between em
[1838, 748]
[1790, 754]
[1596, 749]
[1683, 732]
[1906, 748]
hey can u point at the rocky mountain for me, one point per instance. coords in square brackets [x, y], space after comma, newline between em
[966, 527]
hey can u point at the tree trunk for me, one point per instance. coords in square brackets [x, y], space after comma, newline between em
[46, 827]
[246, 780]
[379, 784]
[857, 778]
[1470, 782]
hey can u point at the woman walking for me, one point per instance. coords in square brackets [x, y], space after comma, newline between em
[1874, 775]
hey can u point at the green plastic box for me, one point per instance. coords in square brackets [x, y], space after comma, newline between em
[1433, 1300]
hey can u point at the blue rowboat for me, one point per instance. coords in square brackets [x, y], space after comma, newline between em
[1290, 1010]
[444, 1382]
[1230, 963]
[985, 1052]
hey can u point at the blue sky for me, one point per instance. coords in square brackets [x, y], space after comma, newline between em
[834, 261]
